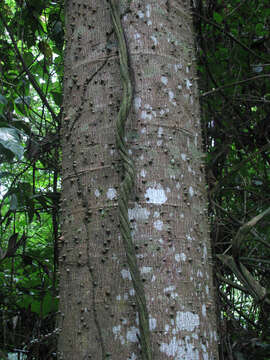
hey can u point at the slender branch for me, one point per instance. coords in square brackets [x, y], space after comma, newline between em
[29, 74]
[229, 35]
[244, 230]
[235, 83]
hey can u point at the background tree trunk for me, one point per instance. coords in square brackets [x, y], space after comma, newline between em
[167, 209]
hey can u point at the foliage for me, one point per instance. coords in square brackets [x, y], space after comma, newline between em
[233, 54]
[233, 64]
[31, 44]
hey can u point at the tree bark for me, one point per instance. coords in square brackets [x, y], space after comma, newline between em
[99, 316]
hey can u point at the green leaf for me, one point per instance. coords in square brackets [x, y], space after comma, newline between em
[50, 304]
[28, 58]
[23, 100]
[44, 47]
[57, 97]
[260, 29]
[22, 126]
[13, 202]
[217, 17]
[9, 138]
[21, 105]
[30, 209]
[3, 100]
[3, 103]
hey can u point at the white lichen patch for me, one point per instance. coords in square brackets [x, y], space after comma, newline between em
[156, 214]
[177, 67]
[183, 157]
[143, 173]
[137, 103]
[154, 40]
[143, 130]
[155, 195]
[148, 10]
[171, 97]
[140, 14]
[199, 273]
[164, 80]
[97, 193]
[132, 292]
[187, 320]
[146, 269]
[131, 335]
[137, 36]
[203, 310]
[204, 252]
[111, 193]
[146, 115]
[126, 274]
[117, 334]
[191, 191]
[116, 330]
[188, 84]
[149, 113]
[162, 112]
[170, 290]
[152, 323]
[180, 257]
[182, 349]
[138, 213]
[160, 132]
[158, 225]
[189, 238]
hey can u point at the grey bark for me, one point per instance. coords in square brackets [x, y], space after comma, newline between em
[168, 210]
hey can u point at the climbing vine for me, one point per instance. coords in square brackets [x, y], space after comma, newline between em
[128, 182]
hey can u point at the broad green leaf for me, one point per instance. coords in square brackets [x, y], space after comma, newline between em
[3, 100]
[57, 97]
[23, 100]
[3, 103]
[13, 202]
[28, 58]
[9, 138]
[218, 17]
[50, 304]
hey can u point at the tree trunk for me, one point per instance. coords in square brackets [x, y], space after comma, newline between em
[105, 307]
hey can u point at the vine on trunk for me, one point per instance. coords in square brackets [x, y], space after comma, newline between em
[128, 182]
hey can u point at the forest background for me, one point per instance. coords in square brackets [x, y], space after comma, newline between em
[233, 54]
